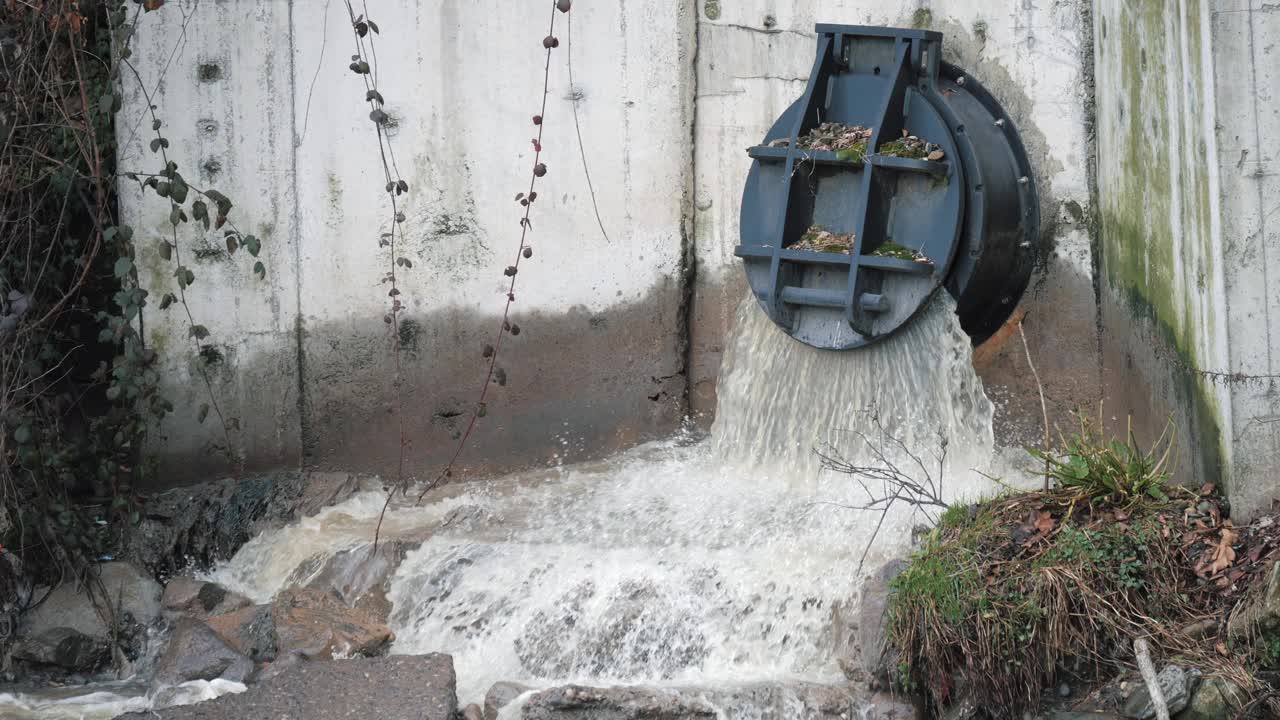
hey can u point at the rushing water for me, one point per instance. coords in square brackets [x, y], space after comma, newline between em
[684, 561]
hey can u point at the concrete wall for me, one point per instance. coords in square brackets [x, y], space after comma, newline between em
[1247, 124]
[622, 337]
[1186, 128]
[753, 60]
[1163, 304]
[281, 127]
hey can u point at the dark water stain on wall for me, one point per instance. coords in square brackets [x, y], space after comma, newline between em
[573, 385]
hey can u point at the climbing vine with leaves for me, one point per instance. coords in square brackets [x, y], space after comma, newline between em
[79, 388]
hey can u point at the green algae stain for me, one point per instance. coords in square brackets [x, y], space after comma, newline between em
[1156, 229]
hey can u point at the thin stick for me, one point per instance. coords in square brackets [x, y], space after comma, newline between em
[1044, 409]
[1143, 652]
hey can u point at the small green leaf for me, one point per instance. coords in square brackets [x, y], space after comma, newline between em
[22, 435]
[198, 332]
[165, 249]
[179, 190]
[167, 300]
[175, 215]
[232, 244]
[260, 270]
[155, 144]
[106, 103]
[123, 267]
[203, 413]
[373, 26]
[252, 244]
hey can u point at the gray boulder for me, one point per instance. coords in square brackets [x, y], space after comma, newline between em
[760, 701]
[251, 631]
[879, 660]
[400, 687]
[1215, 698]
[501, 695]
[1177, 686]
[200, 598]
[201, 524]
[120, 589]
[65, 648]
[195, 652]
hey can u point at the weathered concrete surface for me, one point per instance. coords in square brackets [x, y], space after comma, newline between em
[1247, 123]
[1164, 292]
[753, 60]
[260, 105]
[403, 687]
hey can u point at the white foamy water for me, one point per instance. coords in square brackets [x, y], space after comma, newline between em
[679, 562]
[106, 700]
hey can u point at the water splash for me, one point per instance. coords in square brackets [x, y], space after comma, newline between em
[689, 561]
[107, 700]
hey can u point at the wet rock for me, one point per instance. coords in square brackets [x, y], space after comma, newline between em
[1176, 684]
[964, 709]
[204, 523]
[887, 706]
[280, 664]
[501, 695]
[1260, 613]
[15, 589]
[319, 626]
[65, 648]
[1215, 698]
[845, 638]
[200, 598]
[400, 687]
[765, 701]
[194, 652]
[361, 578]
[251, 631]
[123, 592]
[311, 623]
[877, 658]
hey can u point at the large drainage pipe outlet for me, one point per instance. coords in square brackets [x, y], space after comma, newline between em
[895, 174]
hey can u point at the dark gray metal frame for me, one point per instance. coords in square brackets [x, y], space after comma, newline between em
[973, 214]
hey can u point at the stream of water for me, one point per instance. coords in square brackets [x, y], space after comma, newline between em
[692, 560]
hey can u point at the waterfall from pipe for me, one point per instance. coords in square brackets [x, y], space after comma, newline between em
[680, 561]
[687, 561]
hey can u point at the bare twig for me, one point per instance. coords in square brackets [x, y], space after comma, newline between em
[1044, 409]
[1142, 651]
[895, 484]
